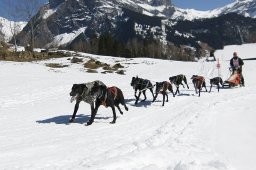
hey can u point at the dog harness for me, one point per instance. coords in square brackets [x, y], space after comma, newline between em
[113, 90]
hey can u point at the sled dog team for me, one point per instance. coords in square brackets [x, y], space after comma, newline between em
[96, 93]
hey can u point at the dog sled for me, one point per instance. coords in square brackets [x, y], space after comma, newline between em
[234, 79]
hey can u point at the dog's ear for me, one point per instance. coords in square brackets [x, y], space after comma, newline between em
[83, 86]
[74, 86]
[193, 76]
[80, 88]
[96, 84]
[104, 87]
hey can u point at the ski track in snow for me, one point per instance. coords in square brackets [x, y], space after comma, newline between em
[182, 135]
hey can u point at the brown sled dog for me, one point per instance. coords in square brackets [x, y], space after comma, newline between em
[199, 83]
[162, 87]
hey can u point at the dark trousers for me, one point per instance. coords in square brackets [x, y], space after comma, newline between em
[242, 78]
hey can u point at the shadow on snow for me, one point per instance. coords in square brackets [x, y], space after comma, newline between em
[64, 119]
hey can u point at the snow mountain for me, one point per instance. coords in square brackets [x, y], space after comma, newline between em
[133, 23]
[246, 8]
[6, 27]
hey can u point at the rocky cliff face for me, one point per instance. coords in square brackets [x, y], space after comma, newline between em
[67, 22]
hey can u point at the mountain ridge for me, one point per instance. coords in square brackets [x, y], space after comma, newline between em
[81, 25]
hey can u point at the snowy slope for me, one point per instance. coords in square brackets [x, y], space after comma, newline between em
[246, 8]
[213, 132]
[6, 25]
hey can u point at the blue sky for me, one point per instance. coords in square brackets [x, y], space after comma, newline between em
[201, 4]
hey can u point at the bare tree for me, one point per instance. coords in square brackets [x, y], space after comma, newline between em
[28, 9]
[15, 27]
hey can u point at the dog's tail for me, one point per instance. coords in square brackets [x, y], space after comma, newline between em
[121, 97]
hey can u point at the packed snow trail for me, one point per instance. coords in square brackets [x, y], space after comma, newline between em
[213, 132]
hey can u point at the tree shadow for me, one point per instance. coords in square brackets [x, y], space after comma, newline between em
[64, 119]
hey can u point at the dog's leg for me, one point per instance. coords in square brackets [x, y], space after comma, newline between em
[195, 85]
[114, 114]
[182, 85]
[92, 107]
[144, 93]
[155, 97]
[171, 90]
[185, 80]
[205, 86]
[187, 86]
[163, 98]
[135, 94]
[137, 98]
[75, 111]
[117, 105]
[218, 86]
[210, 88]
[177, 90]
[94, 112]
[152, 92]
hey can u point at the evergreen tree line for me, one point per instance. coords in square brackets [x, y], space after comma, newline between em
[107, 45]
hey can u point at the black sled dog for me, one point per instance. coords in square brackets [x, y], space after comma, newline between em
[216, 81]
[142, 85]
[82, 92]
[177, 80]
[108, 97]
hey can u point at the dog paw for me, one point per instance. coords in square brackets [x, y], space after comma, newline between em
[113, 122]
[71, 121]
[89, 123]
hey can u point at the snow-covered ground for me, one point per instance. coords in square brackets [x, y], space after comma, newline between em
[216, 131]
